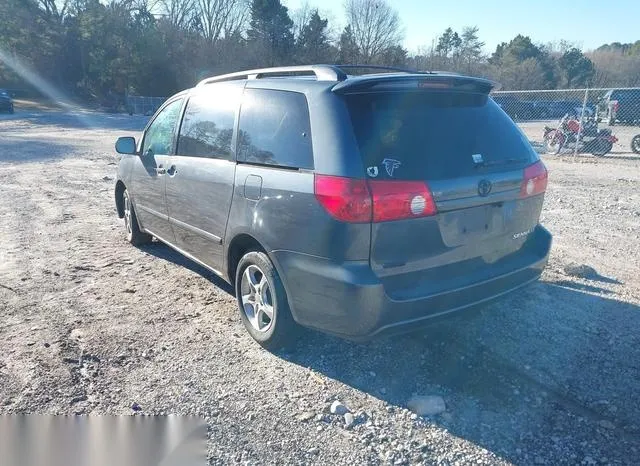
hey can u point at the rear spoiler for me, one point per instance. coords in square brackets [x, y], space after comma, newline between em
[396, 82]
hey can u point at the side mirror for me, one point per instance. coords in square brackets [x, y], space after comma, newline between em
[126, 145]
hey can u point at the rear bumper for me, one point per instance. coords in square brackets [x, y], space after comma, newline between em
[350, 301]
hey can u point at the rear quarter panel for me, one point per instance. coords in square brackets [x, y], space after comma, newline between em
[288, 217]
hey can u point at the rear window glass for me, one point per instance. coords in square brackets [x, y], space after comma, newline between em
[434, 135]
[274, 129]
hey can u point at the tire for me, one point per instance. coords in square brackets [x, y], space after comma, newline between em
[259, 287]
[134, 235]
[635, 144]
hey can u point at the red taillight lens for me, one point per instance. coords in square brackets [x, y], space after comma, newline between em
[358, 201]
[396, 200]
[346, 199]
[535, 180]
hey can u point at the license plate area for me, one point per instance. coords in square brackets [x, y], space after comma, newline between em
[468, 225]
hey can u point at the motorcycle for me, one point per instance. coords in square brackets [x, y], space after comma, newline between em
[585, 136]
[635, 144]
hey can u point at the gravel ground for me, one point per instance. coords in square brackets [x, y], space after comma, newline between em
[90, 324]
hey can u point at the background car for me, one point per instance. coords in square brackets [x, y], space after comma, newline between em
[516, 108]
[621, 106]
[6, 102]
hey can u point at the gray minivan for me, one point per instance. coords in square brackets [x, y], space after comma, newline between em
[355, 205]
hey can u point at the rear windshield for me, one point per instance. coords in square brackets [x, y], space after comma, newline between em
[430, 136]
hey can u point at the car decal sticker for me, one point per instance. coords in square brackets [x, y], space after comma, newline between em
[372, 171]
[390, 165]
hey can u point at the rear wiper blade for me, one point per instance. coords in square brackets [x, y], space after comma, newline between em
[492, 163]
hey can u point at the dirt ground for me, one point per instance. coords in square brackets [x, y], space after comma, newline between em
[92, 325]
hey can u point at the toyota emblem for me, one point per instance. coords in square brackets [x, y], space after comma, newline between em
[484, 188]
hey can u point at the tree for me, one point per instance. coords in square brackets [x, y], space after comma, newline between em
[448, 43]
[393, 56]
[577, 69]
[270, 32]
[615, 67]
[471, 50]
[300, 18]
[180, 13]
[219, 18]
[375, 27]
[348, 53]
[522, 54]
[313, 45]
[520, 48]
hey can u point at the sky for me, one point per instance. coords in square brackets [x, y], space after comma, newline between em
[586, 23]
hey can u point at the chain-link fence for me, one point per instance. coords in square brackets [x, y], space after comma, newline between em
[595, 121]
[143, 105]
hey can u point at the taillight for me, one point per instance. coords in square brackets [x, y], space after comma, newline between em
[535, 180]
[345, 199]
[396, 200]
[358, 201]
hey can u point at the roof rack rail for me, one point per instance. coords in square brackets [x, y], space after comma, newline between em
[321, 72]
[382, 68]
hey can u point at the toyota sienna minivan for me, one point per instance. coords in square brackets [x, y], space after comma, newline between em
[352, 204]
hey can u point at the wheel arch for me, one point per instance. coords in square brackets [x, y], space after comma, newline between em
[238, 247]
[119, 195]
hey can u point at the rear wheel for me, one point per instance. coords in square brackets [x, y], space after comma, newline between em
[262, 301]
[134, 235]
[635, 144]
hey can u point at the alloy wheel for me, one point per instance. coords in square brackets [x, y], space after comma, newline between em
[257, 300]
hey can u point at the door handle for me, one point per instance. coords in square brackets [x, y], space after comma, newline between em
[172, 170]
[160, 170]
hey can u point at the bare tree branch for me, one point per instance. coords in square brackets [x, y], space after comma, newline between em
[375, 25]
[179, 12]
[220, 18]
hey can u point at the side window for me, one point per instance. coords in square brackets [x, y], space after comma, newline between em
[159, 136]
[207, 125]
[275, 129]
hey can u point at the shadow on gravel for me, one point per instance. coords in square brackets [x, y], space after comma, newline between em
[162, 251]
[82, 120]
[583, 287]
[24, 150]
[549, 373]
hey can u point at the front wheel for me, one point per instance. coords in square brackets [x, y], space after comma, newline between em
[635, 144]
[262, 301]
[554, 141]
[134, 235]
